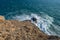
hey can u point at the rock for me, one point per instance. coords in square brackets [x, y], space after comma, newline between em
[22, 30]
[2, 18]
[34, 19]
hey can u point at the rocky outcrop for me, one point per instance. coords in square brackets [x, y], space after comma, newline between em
[2, 18]
[21, 30]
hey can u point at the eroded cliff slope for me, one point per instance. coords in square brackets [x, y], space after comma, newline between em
[21, 30]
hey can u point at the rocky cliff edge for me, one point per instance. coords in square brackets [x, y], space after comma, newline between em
[21, 30]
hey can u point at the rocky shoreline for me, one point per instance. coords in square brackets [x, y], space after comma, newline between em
[22, 30]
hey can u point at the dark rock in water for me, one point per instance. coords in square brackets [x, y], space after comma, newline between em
[53, 38]
[34, 19]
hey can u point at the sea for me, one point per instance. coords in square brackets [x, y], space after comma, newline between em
[47, 13]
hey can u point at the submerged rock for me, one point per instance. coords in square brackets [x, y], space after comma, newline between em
[22, 30]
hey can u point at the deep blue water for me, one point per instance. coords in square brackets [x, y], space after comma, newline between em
[46, 11]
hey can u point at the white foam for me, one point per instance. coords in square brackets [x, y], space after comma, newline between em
[22, 17]
[42, 23]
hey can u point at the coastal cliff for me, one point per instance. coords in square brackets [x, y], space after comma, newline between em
[22, 30]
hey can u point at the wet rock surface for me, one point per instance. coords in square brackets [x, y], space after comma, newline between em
[22, 30]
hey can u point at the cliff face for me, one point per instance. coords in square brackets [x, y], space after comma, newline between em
[21, 30]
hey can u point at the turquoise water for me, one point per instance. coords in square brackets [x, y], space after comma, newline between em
[47, 13]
